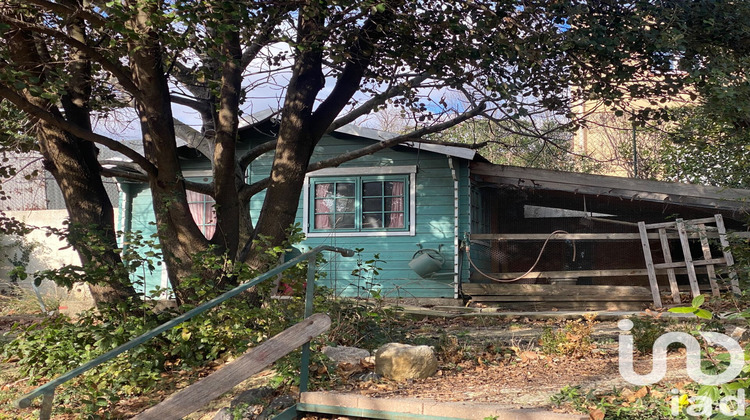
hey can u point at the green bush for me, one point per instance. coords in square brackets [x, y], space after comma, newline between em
[57, 345]
[645, 331]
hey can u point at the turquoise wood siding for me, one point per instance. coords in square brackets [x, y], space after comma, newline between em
[434, 222]
[141, 219]
[434, 225]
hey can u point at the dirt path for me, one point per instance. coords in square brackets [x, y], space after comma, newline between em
[522, 378]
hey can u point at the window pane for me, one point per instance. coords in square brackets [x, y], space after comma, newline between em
[394, 188]
[344, 189]
[394, 204]
[345, 221]
[372, 220]
[323, 190]
[344, 205]
[323, 221]
[394, 220]
[372, 204]
[372, 189]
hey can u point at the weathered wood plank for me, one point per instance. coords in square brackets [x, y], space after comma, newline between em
[727, 254]
[679, 268]
[572, 274]
[552, 290]
[571, 306]
[706, 257]
[696, 263]
[692, 277]
[579, 236]
[197, 395]
[691, 222]
[623, 297]
[653, 282]
[668, 259]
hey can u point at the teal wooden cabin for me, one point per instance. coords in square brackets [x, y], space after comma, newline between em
[421, 207]
[398, 202]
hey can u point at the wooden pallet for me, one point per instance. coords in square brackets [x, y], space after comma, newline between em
[685, 229]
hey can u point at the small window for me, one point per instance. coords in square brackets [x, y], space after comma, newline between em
[359, 204]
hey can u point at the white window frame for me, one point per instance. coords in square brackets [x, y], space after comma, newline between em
[410, 170]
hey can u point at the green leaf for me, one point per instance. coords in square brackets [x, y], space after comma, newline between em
[710, 391]
[702, 313]
[698, 301]
[682, 310]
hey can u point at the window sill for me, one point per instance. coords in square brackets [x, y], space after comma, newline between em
[356, 234]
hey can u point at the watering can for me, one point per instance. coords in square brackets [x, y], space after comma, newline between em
[426, 262]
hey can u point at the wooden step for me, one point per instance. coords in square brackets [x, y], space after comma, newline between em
[597, 306]
[354, 405]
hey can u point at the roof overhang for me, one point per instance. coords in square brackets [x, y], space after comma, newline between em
[609, 194]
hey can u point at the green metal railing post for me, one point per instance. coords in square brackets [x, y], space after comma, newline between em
[304, 369]
[48, 390]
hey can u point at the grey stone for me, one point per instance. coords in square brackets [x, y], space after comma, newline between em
[344, 354]
[365, 377]
[223, 414]
[403, 361]
[278, 405]
[252, 396]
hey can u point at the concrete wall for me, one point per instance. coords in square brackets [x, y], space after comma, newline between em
[48, 252]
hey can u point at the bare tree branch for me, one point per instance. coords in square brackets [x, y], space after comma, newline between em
[48, 117]
[348, 82]
[256, 152]
[130, 166]
[115, 69]
[473, 146]
[376, 100]
[266, 32]
[413, 136]
[198, 105]
[116, 172]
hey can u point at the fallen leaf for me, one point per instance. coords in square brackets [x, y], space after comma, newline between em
[528, 355]
[596, 414]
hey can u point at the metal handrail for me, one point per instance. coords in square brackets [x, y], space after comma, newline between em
[47, 390]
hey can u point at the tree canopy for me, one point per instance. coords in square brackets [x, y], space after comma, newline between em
[323, 64]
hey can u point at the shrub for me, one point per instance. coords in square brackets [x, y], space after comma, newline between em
[573, 338]
[645, 331]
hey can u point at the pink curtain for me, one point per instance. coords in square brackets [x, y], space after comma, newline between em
[397, 205]
[202, 210]
[210, 227]
[322, 221]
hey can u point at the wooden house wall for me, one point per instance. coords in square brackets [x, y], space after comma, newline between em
[435, 222]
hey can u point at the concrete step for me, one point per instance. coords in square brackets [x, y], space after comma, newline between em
[355, 405]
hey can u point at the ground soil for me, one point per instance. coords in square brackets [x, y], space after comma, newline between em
[508, 368]
[484, 360]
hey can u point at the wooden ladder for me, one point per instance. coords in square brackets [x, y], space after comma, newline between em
[687, 229]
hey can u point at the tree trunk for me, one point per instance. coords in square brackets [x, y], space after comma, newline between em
[73, 164]
[295, 144]
[179, 235]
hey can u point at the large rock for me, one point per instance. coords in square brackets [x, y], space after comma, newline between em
[402, 361]
[344, 354]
